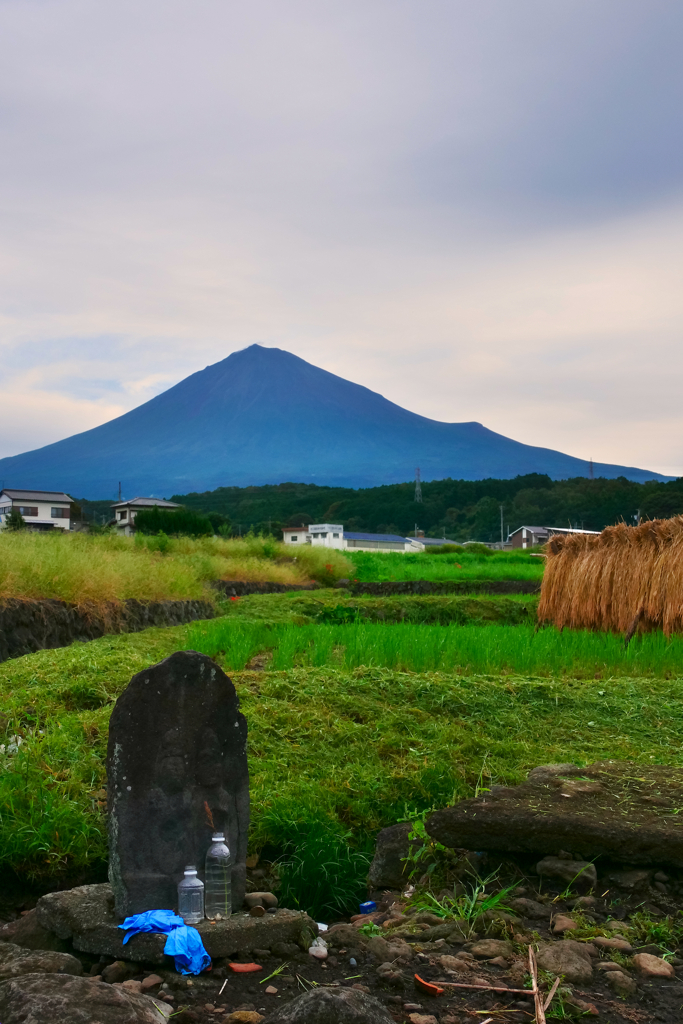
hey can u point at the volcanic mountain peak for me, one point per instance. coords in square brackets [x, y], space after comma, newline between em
[263, 415]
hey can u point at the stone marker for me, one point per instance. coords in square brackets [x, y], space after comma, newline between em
[609, 809]
[177, 746]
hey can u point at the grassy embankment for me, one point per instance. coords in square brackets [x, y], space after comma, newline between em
[82, 568]
[340, 746]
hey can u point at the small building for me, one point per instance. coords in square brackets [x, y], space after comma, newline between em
[41, 510]
[125, 512]
[333, 535]
[530, 536]
[382, 542]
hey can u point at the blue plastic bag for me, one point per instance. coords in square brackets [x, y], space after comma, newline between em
[184, 943]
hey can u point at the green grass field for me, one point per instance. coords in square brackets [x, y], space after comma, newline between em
[457, 649]
[498, 565]
[340, 747]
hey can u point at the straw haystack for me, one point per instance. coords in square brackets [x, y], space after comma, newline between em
[627, 579]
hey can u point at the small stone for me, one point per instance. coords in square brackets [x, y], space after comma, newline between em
[622, 945]
[622, 983]
[319, 952]
[245, 1017]
[584, 1007]
[581, 874]
[568, 958]
[132, 986]
[412, 1007]
[563, 924]
[271, 990]
[453, 963]
[478, 980]
[261, 954]
[616, 926]
[150, 981]
[361, 988]
[661, 877]
[608, 965]
[652, 966]
[115, 972]
[487, 949]
[353, 962]
[422, 1018]
[629, 880]
[530, 908]
[583, 903]
[498, 961]
[209, 1006]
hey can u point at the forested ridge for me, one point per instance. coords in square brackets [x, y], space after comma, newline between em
[464, 509]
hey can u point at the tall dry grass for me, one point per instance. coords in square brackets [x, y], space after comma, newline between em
[628, 579]
[86, 569]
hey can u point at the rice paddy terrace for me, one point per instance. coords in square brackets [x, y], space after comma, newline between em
[362, 711]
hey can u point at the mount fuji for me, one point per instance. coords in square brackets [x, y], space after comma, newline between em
[265, 416]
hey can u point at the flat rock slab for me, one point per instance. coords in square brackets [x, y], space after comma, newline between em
[610, 809]
[330, 1006]
[86, 915]
[15, 961]
[63, 999]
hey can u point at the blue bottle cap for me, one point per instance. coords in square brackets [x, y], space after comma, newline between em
[368, 908]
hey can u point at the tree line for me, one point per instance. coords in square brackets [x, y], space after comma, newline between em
[457, 509]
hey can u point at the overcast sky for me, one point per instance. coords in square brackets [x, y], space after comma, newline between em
[474, 207]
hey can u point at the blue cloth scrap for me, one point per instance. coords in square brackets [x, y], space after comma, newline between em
[184, 943]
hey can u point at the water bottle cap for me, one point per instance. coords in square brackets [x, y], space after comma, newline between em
[218, 837]
[190, 870]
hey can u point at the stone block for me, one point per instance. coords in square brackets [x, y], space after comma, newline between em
[87, 917]
[616, 810]
[176, 756]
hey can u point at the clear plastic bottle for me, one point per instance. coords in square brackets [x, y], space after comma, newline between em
[218, 879]
[191, 897]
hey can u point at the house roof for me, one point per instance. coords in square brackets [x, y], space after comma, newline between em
[146, 503]
[434, 541]
[37, 495]
[388, 537]
[553, 529]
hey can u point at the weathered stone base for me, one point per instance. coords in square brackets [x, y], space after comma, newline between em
[86, 916]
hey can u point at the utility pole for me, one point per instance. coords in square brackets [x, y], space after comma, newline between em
[418, 487]
[501, 526]
[119, 490]
[591, 475]
[637, 517]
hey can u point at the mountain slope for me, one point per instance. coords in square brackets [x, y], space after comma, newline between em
[265, 416]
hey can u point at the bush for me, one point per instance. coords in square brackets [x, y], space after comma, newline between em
[179, 523]
[15, 521]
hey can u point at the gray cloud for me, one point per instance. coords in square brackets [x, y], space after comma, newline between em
[475, 209]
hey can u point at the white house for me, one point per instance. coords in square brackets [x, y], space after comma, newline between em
[333, 535]
[528, 536]
[126, 511]
[41, 510]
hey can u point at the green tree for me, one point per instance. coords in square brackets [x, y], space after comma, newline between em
[177, 523]
[15, 520]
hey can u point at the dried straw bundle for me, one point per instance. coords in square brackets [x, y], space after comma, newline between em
[628, 578]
